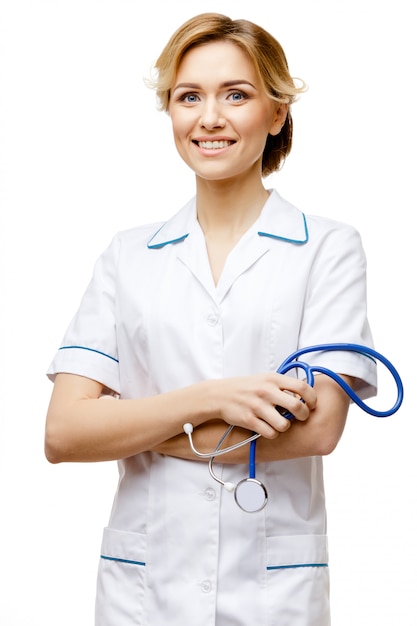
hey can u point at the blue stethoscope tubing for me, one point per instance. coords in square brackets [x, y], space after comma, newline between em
[292, 362]
[250, 494]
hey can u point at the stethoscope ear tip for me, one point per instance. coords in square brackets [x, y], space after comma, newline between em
[229, 487]
[188, 428]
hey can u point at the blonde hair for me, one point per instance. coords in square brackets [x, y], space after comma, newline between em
[266, 54]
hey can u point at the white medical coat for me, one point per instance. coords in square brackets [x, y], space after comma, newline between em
[177, 549]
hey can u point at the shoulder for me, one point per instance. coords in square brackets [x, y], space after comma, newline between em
[126, 245]
[157, 235]
[282, 220]
[333, 237]
[137, 234]
[326, 231]
[321, 225]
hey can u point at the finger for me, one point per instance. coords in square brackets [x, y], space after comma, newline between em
[282, 420]
[296, 408]
[269, 423]
[284, 412]
[292, 406]
[298, 387]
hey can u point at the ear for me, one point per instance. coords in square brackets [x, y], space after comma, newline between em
[279, 119]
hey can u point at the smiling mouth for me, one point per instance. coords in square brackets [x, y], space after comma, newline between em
[213, 145]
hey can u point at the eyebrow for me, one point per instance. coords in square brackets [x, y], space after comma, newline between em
[228, 83]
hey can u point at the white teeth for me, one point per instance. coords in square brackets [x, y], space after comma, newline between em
[213, 145]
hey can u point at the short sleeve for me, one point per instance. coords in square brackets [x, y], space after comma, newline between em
[89, 346]
[336, 307]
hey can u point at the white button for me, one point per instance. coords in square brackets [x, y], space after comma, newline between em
[209, 494]
[206, 586]
[212, 319]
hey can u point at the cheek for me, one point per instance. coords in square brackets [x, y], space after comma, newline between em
[180, 134]
[174, 125]
[257, 129]
[181, 124]
[267, 120]
[257, 126]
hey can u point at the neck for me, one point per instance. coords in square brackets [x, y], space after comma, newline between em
[230, 207]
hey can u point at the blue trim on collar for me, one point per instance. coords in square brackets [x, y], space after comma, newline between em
[298, 241]
[113, 558]
[278, 220]
[164, 243]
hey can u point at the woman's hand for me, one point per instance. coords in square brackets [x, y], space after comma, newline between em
[250, 402]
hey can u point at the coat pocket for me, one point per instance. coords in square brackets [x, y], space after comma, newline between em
[293, 551]
[121, 579]
[298, 580]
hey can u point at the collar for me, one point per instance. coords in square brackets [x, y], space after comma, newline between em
[279, 219]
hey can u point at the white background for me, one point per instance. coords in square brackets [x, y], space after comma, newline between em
[84, 153]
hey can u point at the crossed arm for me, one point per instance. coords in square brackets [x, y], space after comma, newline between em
[82, 427]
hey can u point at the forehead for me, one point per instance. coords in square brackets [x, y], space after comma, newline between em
[217, 60]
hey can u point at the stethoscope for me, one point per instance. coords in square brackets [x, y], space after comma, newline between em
[250, 493]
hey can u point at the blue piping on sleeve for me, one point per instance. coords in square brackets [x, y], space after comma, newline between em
[90, 350]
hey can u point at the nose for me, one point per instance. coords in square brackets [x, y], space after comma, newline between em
[211, 117]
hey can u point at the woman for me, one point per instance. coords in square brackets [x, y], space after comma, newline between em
[186, 322]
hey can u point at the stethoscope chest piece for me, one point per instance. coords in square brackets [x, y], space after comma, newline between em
[251, 495]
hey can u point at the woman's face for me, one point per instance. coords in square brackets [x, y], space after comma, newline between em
[220, 113]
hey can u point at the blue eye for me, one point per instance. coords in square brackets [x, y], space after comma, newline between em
[191, 98]
[237, 96]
